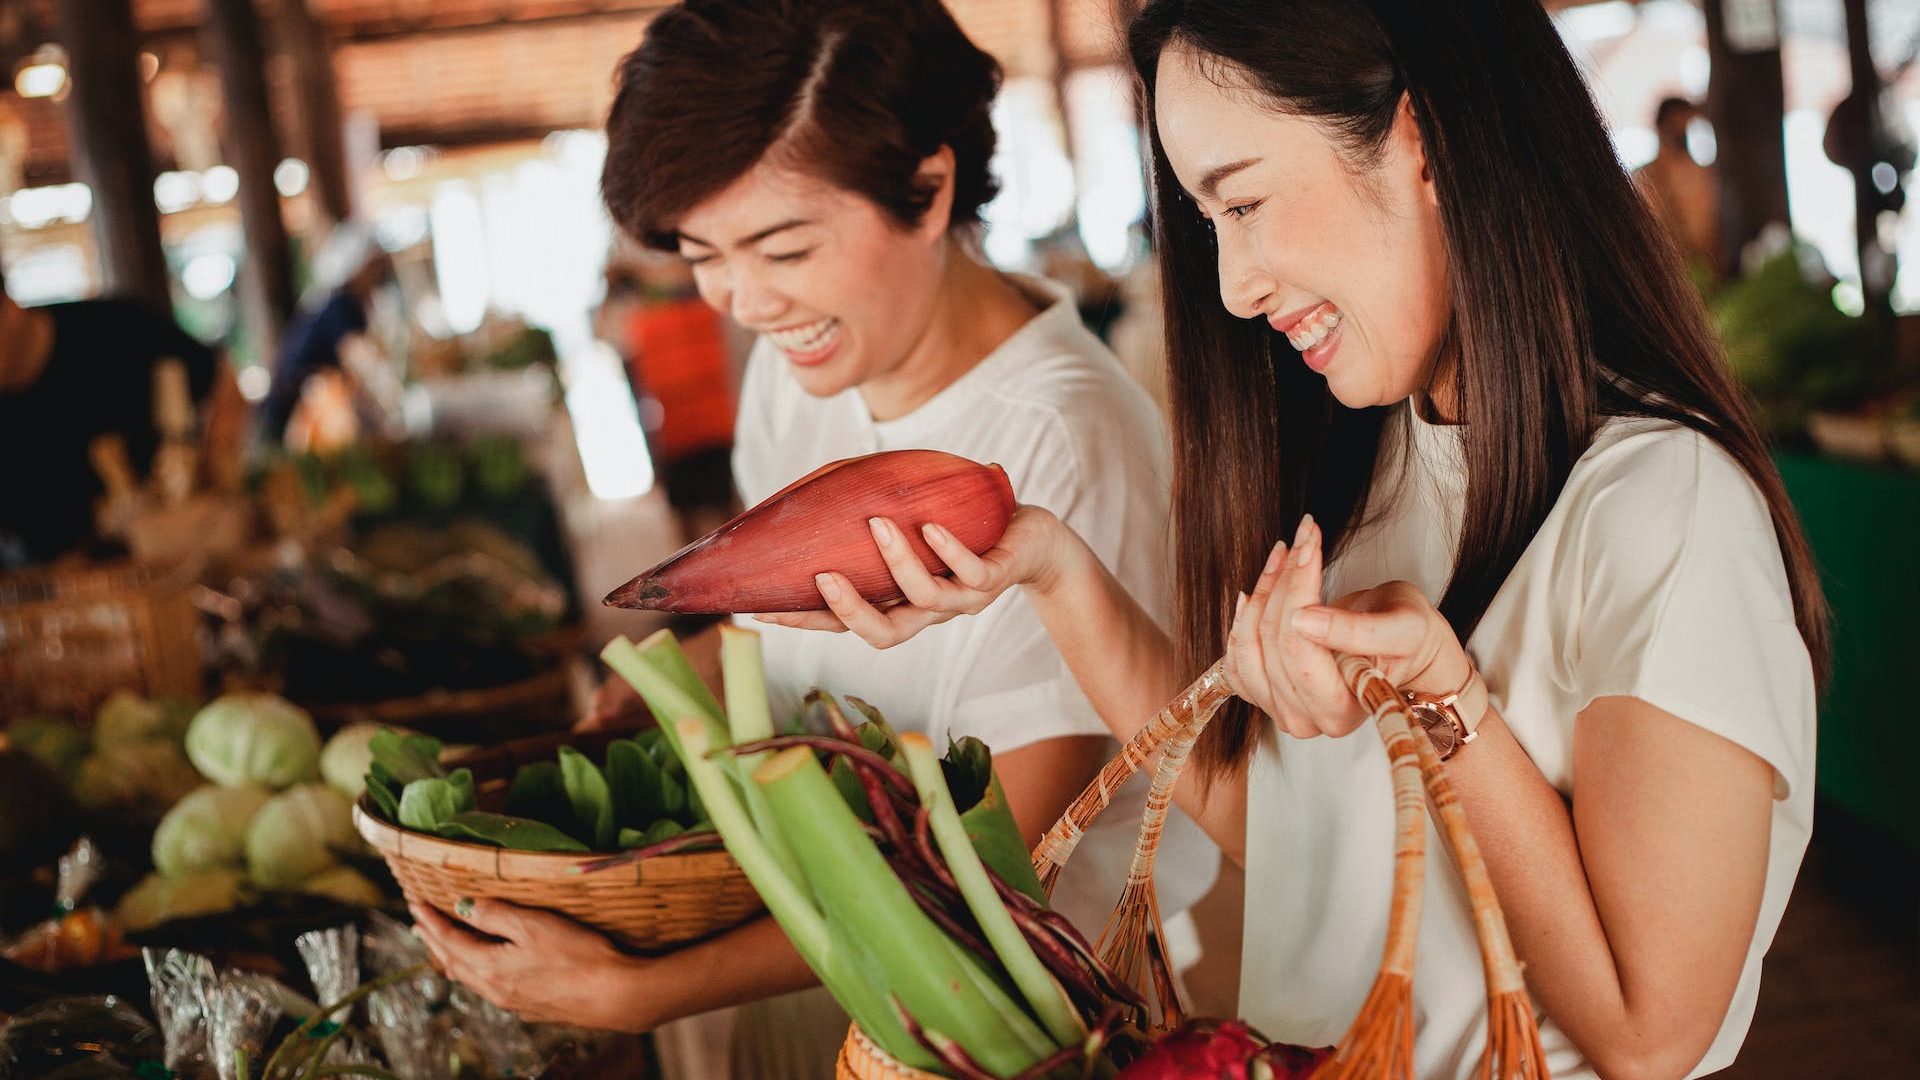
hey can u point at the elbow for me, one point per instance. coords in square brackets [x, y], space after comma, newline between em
[1664, 1055]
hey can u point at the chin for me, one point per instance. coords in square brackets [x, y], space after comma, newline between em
[827, 381]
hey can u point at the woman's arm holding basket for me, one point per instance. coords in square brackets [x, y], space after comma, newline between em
[1120, 657]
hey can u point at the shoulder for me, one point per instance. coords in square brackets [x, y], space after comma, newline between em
[1061, 383]
[1652, 478]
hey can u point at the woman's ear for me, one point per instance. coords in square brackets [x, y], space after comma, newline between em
[1406, 132]
[936, 175]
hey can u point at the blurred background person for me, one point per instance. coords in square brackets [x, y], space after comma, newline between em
[1685, 194]
[328, 336]
[69, 374]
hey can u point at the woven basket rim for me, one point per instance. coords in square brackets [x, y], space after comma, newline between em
[398, 842]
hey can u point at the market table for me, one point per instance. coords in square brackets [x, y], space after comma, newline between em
[1864, 525]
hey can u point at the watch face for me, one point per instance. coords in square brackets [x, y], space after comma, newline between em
[1439, 728]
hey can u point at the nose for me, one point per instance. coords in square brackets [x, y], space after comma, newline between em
[755, 302]
[1245, 286]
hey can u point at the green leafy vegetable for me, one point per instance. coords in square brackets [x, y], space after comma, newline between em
[509, 832]
[590, 797]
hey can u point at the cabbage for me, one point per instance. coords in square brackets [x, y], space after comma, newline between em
[295, 834]
[344, 762]
[127, 773]
[345, 884]
[127, 717]
[254, 738]
[207, 829]
[159, 898]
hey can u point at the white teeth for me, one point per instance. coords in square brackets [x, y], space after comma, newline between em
[805, 339]
[1313, 329]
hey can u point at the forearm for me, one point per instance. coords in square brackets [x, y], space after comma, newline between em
[1525, 833]
[746, 964]
[1125, 664]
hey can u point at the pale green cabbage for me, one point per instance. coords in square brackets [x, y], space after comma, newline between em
[295, 835]
[344, 761]
[252, 738]
[207, 829]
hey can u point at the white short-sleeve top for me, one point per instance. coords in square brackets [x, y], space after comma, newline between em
[1656, 575]
[1076, 435]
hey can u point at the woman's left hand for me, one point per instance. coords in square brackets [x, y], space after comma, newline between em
[540, 965]
[1282, 644]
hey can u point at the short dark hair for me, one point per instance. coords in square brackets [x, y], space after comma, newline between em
[1671, 107]
[855, 93]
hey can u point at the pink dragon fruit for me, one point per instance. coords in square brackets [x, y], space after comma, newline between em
[1216, 1050]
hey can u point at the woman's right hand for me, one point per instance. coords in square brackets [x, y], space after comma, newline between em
[1029, 553]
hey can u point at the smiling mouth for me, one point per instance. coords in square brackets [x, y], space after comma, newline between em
[1311, 332]
[807, 337]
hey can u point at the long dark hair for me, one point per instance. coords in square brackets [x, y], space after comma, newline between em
[849, 91]
[1569, 305]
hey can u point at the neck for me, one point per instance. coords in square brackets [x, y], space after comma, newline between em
[1440, 399]
[975, 308]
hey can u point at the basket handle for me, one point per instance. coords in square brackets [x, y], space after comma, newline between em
[1513, 1037]
[1192, 709]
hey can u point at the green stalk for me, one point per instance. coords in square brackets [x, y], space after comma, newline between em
[1048, 1001]
[938, 984]
[822, 945]
[748, 716]
[666, 680]
[750, 720]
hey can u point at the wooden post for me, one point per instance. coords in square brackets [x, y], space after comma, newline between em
[1746, 101]
[1857, 120]
[323, 134]
[107, 127]
[233, 37]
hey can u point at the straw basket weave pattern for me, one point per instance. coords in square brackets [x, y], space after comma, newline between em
[861, 1060]
[651, 905]
[69, 637]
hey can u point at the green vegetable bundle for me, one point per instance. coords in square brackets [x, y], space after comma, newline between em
[900, 877]
[636, 797]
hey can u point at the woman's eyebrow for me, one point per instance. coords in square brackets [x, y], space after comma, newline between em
[1209, 184]
[747, 241]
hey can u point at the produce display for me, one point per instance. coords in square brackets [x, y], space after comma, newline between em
[899, 876]
[262, 820]
[637, 797]
[765, 559]
[131, 755]
[406, 610]
[430, 475]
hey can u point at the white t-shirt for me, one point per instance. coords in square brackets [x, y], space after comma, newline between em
[1054, 408]
[1656, 575]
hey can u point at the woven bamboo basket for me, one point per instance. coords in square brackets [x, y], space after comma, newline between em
[653, 905]
[1379, 1044]
[71, 635]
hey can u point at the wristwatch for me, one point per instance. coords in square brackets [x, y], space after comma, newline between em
[1439, 716]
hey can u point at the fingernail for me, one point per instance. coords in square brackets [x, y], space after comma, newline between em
[829, 588]
[881, 534]
[1312, 622]
[1273, 557]
[463, 907]
[1303, 554]
[1306, 526]
[1239, 603]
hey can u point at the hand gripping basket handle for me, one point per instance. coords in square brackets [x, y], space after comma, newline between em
[1380, 1042]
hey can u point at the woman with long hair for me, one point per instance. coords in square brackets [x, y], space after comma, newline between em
[821, 166]
[1421, 326]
